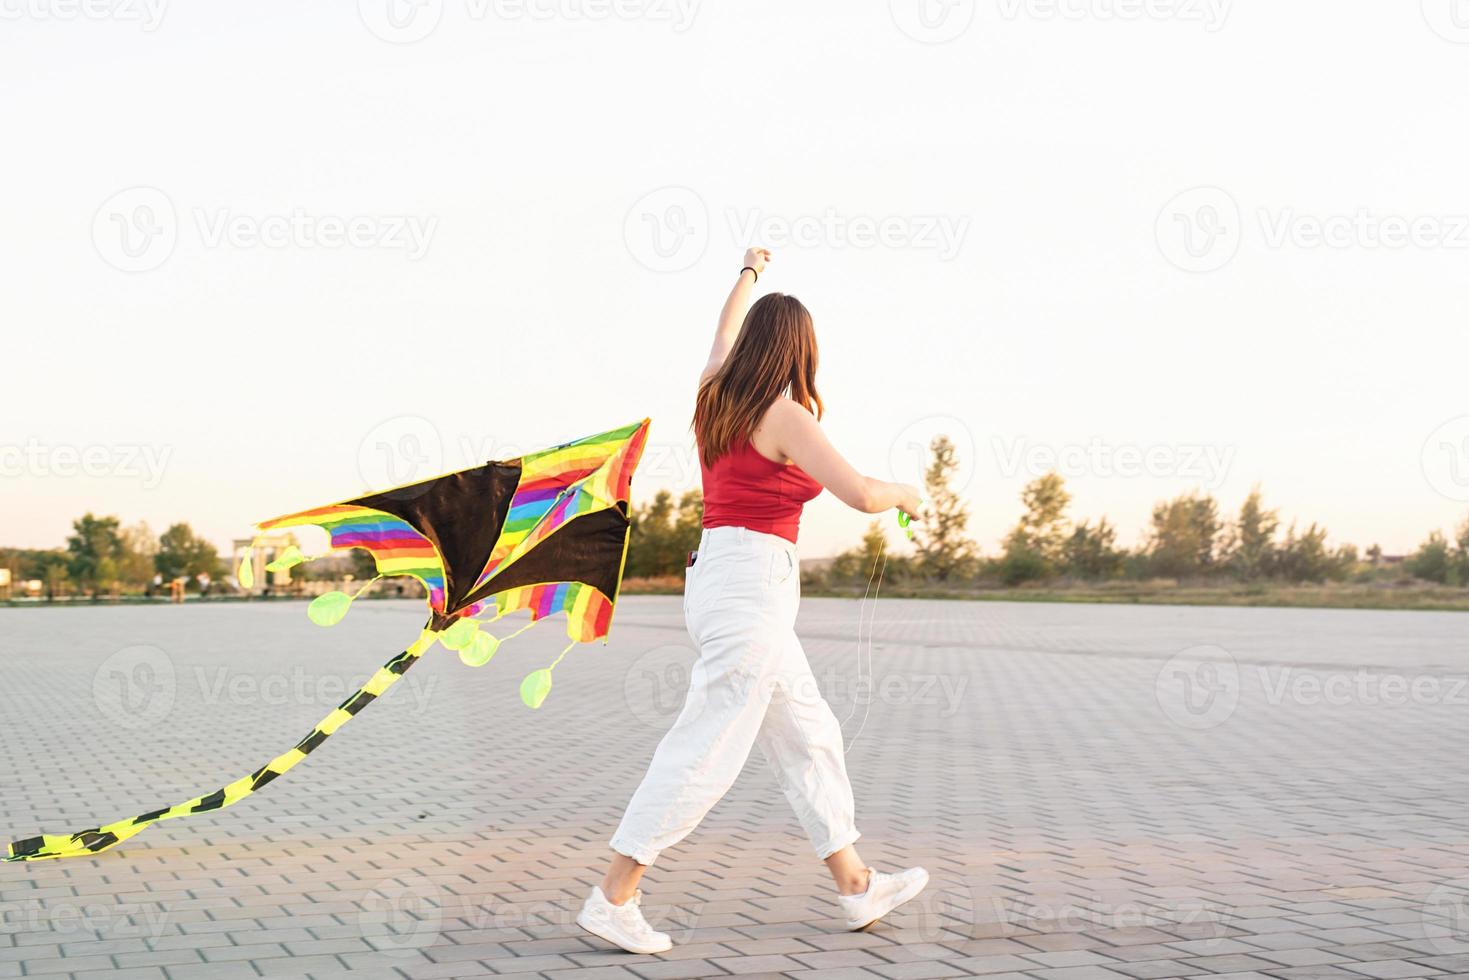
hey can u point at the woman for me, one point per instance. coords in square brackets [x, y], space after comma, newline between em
[763, 455]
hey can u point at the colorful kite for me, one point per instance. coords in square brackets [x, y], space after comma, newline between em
[545, 533]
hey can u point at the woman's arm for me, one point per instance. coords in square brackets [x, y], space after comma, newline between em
[732, 317]
[793, 432]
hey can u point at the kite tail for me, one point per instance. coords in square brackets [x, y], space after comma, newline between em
[99, 839]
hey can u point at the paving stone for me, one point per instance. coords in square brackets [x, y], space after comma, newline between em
[1074, 830]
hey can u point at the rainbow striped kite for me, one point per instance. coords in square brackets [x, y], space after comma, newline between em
[545, 533]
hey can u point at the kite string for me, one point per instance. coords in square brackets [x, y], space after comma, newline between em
[879, 571]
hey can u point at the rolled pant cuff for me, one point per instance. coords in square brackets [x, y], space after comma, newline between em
[836, 844]
[642, 855]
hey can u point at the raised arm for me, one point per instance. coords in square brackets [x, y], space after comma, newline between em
[791, 431]
[732, 317]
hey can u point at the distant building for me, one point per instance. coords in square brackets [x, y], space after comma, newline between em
[263, 549]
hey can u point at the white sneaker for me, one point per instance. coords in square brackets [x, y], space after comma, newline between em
[884, 893]
[621, 925]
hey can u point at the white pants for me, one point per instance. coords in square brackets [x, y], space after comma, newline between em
[750, 685]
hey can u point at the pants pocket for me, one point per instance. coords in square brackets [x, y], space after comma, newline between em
[782, 567]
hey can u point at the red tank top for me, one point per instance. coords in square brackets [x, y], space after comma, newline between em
[744, 489]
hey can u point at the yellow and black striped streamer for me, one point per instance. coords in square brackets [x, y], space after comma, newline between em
[101, 838]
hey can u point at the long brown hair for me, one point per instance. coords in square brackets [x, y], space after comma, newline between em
[775, 351]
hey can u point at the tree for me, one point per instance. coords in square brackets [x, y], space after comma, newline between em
[1304, 557]
[135, 563]
[944, 550]
[1433, 561]
[183, 554]
[663, 535]
[92, 552]
[1092, 553]
[1184, 536]
[860, 563]
[1034, 548]
[1251, 550]
[1459, 574]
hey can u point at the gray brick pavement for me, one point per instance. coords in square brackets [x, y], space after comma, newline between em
[1091, 806]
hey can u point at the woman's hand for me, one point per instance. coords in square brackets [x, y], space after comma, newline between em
[756, 258]
[911, 499]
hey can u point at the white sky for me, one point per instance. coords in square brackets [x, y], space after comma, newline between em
[533, 152]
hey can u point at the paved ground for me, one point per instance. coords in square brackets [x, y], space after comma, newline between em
[1101, 793]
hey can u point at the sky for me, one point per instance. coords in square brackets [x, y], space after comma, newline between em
[259, 257]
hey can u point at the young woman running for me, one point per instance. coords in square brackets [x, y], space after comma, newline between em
[763, 455]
